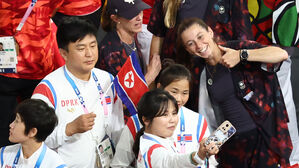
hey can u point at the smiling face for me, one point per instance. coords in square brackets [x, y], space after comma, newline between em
[81, 56]
[198, 41]
[163, 126]
[179, 89]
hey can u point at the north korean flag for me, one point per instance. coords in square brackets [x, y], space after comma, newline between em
[130, 84]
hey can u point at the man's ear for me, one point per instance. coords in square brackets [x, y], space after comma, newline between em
[63, 53]
[32, 132]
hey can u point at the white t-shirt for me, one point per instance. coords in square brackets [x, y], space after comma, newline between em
[50, 159]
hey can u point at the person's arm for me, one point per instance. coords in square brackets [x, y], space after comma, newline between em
[156, 46]
[153, 69]
[270, 54]
[161, 157]
[63, 131]
[154, 65]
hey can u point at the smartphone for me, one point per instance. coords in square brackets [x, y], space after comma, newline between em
[221, 134]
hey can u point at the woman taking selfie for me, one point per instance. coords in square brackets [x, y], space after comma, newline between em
[154, 147]
[243, 88]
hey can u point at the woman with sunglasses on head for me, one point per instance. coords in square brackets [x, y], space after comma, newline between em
[242, 87]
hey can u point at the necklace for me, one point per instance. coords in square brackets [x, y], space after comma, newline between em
[130, 46]
[210, 79]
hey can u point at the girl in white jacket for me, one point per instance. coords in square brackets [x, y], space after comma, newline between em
[154, 145]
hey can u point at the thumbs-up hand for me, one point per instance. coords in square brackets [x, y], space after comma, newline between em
[230, 57]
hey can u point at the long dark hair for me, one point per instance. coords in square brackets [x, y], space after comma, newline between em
[183, 56]
[152, 104]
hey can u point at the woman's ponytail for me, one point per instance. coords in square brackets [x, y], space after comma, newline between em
[137, 142]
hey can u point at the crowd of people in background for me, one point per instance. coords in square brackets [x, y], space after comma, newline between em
[204, 62]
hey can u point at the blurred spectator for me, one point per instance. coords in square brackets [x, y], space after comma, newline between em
[36, 54]
[88, 9]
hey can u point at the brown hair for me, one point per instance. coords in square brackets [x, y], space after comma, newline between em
[183, 56]
[106, 22]
[170, 8]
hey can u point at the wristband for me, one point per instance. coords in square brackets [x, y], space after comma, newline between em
[197, 159]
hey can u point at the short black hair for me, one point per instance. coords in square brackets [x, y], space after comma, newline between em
[72, 29]
[37, 114]
[1, 43]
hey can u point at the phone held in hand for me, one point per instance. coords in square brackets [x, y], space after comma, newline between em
[221, 134]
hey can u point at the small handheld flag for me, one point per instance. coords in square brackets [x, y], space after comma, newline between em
[130, 84]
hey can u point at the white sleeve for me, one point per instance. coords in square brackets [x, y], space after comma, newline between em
[124, 155]
[58, 136]
[116, 123]
[160, 158]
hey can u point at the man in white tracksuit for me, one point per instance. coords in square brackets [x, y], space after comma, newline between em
[84, 100]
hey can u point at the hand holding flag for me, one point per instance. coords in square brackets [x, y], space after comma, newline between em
[130, 84]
